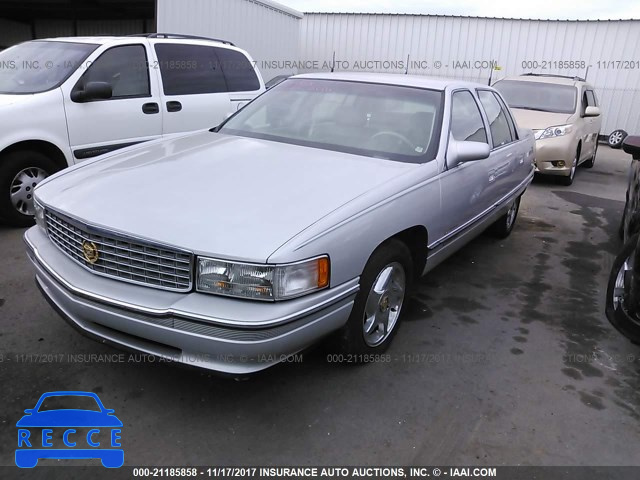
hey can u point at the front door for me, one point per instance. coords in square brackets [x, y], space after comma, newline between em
[132, 114]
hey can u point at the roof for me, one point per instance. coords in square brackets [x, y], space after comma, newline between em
[421, 81]
[477, 17]
[544, 79]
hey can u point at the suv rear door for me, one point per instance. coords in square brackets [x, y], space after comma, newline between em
[132, 115]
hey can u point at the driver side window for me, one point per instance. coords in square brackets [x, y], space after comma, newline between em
[124, 68]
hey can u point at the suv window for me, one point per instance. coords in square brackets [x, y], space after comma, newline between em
[498, 123]
[466, 120]
[190, 69]
[124, 68]
[238, 71]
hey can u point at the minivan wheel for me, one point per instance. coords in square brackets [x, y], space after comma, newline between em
[378, 305]
[568, 180]
[503, 227]
[592, 161]
[616, 138]
[20, 173]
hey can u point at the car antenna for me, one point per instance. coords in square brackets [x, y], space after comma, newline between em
[586, 74]
[333, 63]
[406, 72]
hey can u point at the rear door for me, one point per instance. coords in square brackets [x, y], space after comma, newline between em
[132, 115]
[194, 89]
[507, 157]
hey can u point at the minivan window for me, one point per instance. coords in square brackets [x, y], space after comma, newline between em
[498, 123]
[124, 68]
[38, 66]
[541, 96]
[238, 71]
[466, 121]
[189, 69]
[591, 99]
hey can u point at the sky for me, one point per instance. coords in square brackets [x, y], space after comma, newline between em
[543, 9]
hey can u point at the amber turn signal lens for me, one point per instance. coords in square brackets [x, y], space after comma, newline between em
[323, 272]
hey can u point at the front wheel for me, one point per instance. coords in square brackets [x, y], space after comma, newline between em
[20, 173]
[592, 161]
[568, 180]
[378, 306]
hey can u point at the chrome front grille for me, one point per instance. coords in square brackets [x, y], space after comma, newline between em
[125, 259]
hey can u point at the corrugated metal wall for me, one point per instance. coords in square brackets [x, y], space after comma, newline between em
[429, 39]
[268, 31]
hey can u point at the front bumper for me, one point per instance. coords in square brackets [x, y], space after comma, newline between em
[218, 333]
[553, 150]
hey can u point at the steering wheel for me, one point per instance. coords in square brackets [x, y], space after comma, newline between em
[397, 135]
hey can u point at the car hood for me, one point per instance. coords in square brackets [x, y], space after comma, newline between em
[68, 418]
[6, 99]
[536, 120]
[234, 197]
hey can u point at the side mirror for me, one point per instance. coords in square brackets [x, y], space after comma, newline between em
[461, 152]
[631, 145]
[92, 91]
[592, 112]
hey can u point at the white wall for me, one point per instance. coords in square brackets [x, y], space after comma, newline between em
[371, 37]
[267, 30]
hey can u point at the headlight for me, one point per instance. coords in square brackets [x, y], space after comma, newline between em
[551, 132]
[262, 282]
[38, 214]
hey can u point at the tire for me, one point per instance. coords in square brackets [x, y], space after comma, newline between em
[352, 339]
[568, 180]
[592, 161]
[616, 138]
[19, 173]
[503, 227]
[618, 312]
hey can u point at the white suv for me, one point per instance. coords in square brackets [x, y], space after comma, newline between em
[65, 100]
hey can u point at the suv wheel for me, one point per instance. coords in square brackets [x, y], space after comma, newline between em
[20, 172]
[568, 180]
[378, 306]
[616, 138]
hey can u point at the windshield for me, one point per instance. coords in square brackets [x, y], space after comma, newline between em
[546, 97]
[67, 402]
[384, 121]
[34, 67]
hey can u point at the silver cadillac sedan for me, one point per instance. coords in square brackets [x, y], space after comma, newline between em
[308, 213]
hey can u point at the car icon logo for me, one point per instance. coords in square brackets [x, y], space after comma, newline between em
[52, 431]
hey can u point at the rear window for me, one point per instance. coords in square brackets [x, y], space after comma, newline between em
[238, 71]
[189, 69]
[541, 96]
[198, 69]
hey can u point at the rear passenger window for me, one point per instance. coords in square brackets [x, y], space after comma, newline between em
[190, 69]
[238, 71]
[498, 123]
[466, 121]
[124, 68]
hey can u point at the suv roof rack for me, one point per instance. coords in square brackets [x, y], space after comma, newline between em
[553, 75]
[179, 36]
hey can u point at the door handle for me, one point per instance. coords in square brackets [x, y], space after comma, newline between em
[150, 108]
[174, 106]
